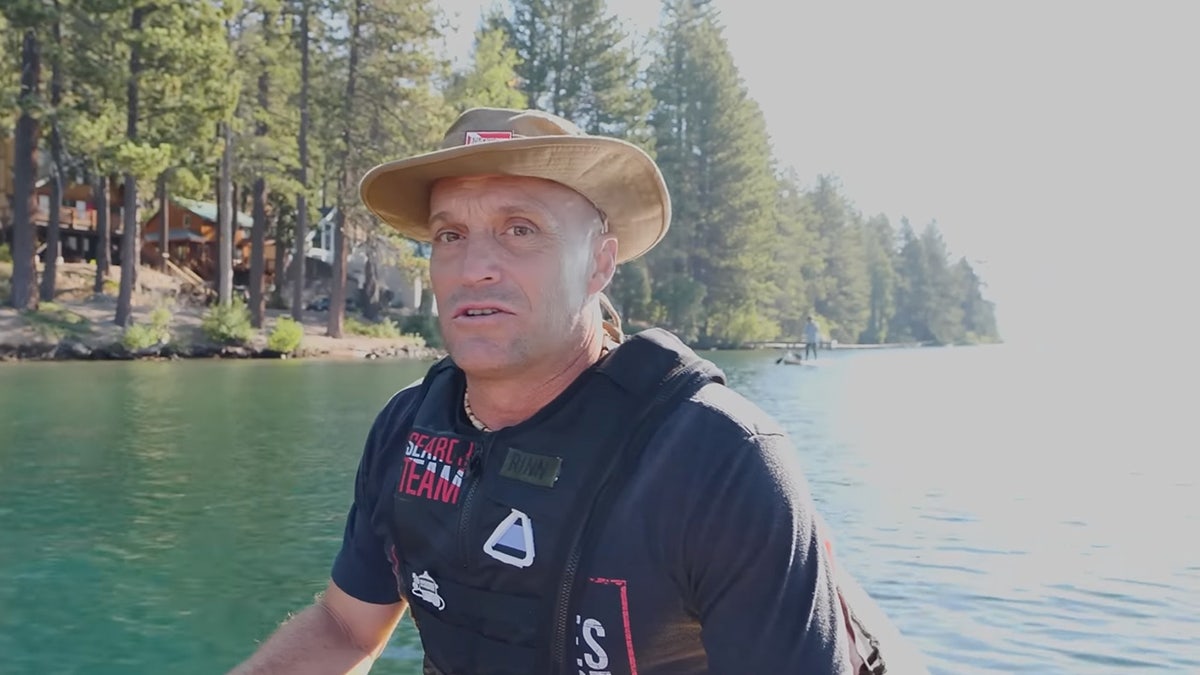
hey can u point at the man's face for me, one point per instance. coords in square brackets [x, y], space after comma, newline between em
[514, 263]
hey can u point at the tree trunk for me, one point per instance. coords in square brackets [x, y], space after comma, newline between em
[24, 235]
[258, 236]
[300, 232]
[129, 261]
[280, 264]
[225, 220]
[164, 217]
[337, 295]
[103, 239]
[370, 291]
[53, 240]
[129, 228]
[337, 292]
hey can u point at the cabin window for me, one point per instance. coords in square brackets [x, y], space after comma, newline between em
[187, 220]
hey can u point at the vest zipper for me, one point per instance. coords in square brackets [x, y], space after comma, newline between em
[558, 655]
[474, 471]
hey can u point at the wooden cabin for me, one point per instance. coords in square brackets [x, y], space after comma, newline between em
[77, 219]
[192, 232]
[77, 214]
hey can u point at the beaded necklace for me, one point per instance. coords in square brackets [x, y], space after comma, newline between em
[478, 423]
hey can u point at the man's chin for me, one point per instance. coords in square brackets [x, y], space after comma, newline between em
[485, 358]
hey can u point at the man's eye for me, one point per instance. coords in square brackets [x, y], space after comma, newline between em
[445, 236]
[521, 230]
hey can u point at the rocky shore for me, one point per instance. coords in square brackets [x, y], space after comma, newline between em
[73, 350]
[78, 326]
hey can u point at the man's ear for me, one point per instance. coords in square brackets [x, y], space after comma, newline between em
[604, 264]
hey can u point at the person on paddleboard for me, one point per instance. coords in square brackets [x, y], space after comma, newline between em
[556, 496]
[812, 338]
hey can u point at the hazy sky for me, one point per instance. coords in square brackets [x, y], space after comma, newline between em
[1054, 142]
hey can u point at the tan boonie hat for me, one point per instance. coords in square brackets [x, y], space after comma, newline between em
[617, 176]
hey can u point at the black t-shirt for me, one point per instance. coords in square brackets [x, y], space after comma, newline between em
[711, 561]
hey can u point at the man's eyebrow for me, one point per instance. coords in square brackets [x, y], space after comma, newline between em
[444, 217]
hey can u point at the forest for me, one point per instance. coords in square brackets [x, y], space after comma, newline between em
[275, 108]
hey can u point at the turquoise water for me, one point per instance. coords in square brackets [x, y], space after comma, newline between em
[1014, 510]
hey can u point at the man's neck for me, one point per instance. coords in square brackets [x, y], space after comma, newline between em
[504, 403]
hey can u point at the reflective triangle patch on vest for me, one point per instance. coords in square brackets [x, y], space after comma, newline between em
[512, 541]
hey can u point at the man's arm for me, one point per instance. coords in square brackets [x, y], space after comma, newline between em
[348, 626]
[336, 634]
[759, 576]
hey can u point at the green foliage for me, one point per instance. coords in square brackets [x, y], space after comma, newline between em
[631, 292]
[10, 51]
[286, 336]
[490, 80]
[228, 324]
[576, 60]
[425, 327]
[711, 144]
[5, 254]
[267, 119]
[54, 322]
[142, 336]
[384, 329]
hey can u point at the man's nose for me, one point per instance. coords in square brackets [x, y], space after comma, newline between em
[480, 264]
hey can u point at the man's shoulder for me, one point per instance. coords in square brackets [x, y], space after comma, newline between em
[401, 404]
[718, 441]
[717, 420]
[395, 414]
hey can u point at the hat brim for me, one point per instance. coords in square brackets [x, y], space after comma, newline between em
[617, 176]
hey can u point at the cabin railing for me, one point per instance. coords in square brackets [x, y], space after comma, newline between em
[68, 217]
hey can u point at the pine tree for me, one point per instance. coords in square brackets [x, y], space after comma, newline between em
[27, 17]
[842, 295]
[713, 150]
[878, 239]
[179, 66]
[944, 314]
[379, 101]
[302, 13]
[491, 78]
[794, 240]
[576, 60]
[978, 314]
[267, 157]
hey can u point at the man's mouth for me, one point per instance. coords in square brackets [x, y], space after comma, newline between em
[478, 312]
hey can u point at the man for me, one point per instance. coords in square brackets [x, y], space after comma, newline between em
[812, 337]
[556, 497]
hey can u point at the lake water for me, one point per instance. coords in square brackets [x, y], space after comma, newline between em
[1013, 509]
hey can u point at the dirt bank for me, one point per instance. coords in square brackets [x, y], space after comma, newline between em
[78, 324]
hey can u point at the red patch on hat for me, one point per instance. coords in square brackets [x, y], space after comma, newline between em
[474, 137]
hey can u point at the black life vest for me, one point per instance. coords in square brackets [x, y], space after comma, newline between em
[488, 530]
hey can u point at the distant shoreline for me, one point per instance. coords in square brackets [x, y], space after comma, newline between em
[78, 326]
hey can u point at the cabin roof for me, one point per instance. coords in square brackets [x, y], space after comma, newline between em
[208, 211]
[176, 235]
